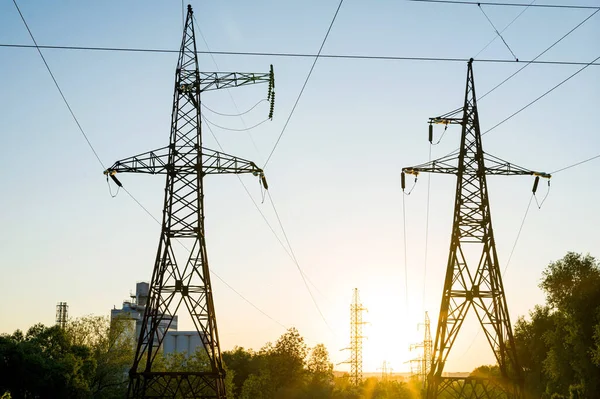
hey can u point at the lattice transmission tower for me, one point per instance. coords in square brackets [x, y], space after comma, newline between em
[423, 362]
[356, 337]
[62, 314]
[473, 279]
[181, 278]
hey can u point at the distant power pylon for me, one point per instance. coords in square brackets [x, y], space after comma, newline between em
[62, 314]
[356, 337]
[473, 278]
[424, 360]
[181, 275]
[386, 370]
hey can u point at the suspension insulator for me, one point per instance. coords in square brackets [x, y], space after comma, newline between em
[272, 105]
[114, 178]
[403, 181]
[264, 182]
[430, 133]
[535, 184]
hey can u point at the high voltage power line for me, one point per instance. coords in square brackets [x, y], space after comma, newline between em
[483, 3]
[540, 97]
[576, 164]
[299, 55]
[305, 83]
[505, 28]
[289, 250]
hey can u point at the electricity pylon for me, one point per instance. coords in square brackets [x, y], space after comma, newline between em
[62, 311]
[181, 275]
[386, 370]
[424, 361]
[356, 337]
[473, 278]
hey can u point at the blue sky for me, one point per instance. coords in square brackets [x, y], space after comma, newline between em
[334, 178]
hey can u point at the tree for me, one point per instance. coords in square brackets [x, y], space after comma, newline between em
[320, 371]
[112, 344]
[559, 347]
[319, 365]
[242, 363]
[258, 386]
[286, 359]
[44, 364]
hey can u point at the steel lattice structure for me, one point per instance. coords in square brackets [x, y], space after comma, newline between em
[356, 337]
[62, 311]
[182, 277]
[424, 361]
[473, 279]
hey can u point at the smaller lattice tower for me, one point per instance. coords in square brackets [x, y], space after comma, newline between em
[386, 370]
[62, 313]
[424, 360]
[356, 337]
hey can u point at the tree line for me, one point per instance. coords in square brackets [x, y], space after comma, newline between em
[558, 347]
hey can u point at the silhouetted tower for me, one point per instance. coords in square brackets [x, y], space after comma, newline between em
[386, 370]
[424, 360]
[473, 279]
[356, 337]
[181, 277]
[62, 314]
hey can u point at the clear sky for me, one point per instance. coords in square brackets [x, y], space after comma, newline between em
[334, 178]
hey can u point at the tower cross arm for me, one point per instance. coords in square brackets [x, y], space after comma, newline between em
[215, 162]
[493, 166]
[224, 80]
[159, 162]
[151, 162]
[442, 165]
[497, 166]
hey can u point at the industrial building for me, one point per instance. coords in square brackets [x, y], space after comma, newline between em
[132, 311]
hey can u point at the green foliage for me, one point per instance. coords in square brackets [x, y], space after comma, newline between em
[44, 364]
[91, 357]
[559, 348]
[288, 369]
[242, 364]
[112, 346]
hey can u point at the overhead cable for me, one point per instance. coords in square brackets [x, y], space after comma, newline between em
[575, 164]
[300, 55]
[512, 251]
[477, 3]
[426, 232]
[302, 274]
[539, 55]
[239, 113]
[405, 252]
[498, 33]
[505, 267]
[304, 85]
[229, 92]
[234, 129]
[290, 252]
[540, 97]
[505, 28]
[58, 87]
[211, 270]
